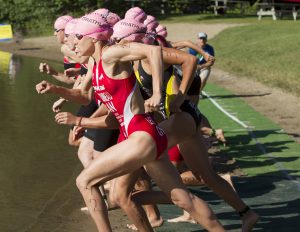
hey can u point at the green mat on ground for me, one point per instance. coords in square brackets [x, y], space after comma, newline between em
[268, 157]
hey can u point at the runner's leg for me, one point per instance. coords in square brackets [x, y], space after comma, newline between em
[109, 164]
[168, 179]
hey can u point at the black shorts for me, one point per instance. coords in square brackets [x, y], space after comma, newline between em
[191, 108]
[105, 138]
[195, 86]
[87, 110]
[90, 133]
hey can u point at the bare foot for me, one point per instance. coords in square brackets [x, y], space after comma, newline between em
[249, 220]
[154, 223]
[186, 217]
[220, 136]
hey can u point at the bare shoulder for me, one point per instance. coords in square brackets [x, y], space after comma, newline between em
[120, 47]
[128, 51]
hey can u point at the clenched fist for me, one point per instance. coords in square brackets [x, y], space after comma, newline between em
[44, 87]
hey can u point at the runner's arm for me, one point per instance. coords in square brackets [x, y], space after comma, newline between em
[188, 64]
[82, 96]
[46, 68]
[190, 44]
[101, 120]
[107, 121]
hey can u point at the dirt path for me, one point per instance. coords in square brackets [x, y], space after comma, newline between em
[181, 31]
[279, 106]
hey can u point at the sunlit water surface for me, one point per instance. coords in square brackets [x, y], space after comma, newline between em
[37, 166]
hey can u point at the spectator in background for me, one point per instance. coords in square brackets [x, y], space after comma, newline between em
[203, 66]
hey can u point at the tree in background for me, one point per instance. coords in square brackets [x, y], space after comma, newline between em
[35, 17]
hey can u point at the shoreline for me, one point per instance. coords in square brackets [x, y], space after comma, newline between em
[34, 47]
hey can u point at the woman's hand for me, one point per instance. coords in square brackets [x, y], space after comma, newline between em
[78, 132]
[67, 118]
[72, 72]
[45, 68]
[58, 104]
[44, 87]
[153, 103]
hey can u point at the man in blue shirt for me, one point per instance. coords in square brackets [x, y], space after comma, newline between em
[203, 66]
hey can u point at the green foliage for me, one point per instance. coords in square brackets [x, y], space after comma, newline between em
[35, 17]
[32, 17]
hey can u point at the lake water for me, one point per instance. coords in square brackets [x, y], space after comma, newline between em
[37, 166]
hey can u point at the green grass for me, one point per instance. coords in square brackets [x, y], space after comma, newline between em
[267, 51]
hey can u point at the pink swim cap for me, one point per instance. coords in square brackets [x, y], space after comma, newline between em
[111, 17]
[161, 30]
[150, 23]
[94, 26]
[129, 29]
[102, 11]
[61, 22]
[136, 13]
[70, 27]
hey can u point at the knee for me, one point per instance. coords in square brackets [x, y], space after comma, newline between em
[183, 200]
[81, 182]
